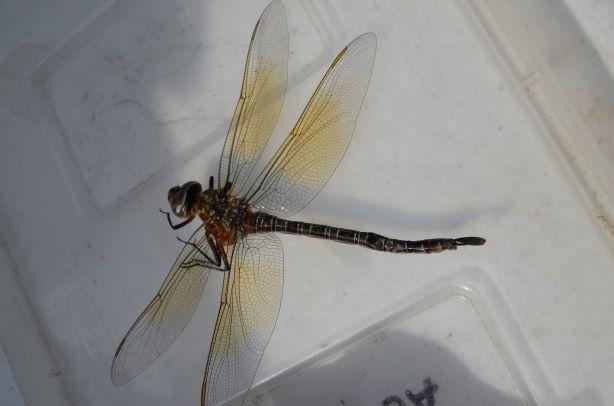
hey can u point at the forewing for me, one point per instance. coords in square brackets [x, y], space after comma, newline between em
[262, 95]
[309, 155]
[248, 312]
[167, 314]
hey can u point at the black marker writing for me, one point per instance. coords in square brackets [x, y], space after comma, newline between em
[427, 394]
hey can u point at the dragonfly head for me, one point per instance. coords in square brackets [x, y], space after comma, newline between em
[184, 199]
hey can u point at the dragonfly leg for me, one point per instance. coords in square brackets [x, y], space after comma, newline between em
[199, 262]
[175, 226]
[218, 252]
[223, 256]
[215, 249]
[204, 254]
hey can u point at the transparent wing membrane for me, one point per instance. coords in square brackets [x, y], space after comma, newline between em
[262, 95]
[311, 152]
[252, 288]
[249, 306]
[167, 314]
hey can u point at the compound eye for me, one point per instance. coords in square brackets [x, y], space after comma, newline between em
[193, 194]
[172, 193]
[194, 188]
[177, 202]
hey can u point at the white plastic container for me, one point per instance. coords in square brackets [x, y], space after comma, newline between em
[483, 117]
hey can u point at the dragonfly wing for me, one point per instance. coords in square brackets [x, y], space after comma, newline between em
[262, 95]
[249, 306]
[167, 314]
[311, 152]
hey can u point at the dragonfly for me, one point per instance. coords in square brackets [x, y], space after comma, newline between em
[241, 214]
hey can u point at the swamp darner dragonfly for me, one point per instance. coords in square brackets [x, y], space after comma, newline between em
[241, 214]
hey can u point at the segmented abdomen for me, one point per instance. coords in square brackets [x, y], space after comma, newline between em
[263, 223]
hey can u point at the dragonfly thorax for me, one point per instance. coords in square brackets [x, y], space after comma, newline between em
[223, 209]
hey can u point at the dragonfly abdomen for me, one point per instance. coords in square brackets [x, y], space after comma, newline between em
[266, 223]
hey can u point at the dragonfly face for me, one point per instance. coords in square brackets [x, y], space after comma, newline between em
[184, 200]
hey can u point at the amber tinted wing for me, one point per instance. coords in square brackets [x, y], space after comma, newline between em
[309, 155]
[262, 95]
[167, 314]
[249, 306]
